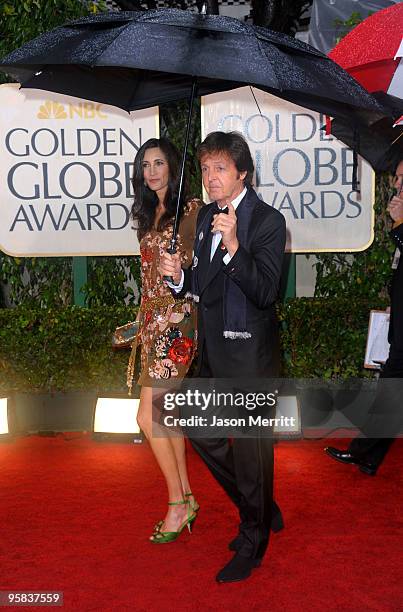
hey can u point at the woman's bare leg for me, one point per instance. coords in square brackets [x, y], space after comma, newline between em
[179, 447]
[164, 449]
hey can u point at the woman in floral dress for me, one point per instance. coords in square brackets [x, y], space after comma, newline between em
[167, 327]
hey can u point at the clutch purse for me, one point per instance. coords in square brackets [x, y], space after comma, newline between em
[124, 336]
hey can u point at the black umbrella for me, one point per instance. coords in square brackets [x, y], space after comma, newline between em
[380, 143]
[138, 59]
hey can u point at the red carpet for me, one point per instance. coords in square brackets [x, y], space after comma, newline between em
[76, 514]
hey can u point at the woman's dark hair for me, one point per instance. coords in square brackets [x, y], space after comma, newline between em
[232, 144]
[146, 200]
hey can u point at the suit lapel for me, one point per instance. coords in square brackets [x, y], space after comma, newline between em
[214, 266]
[203, 252]
[204, 261]
[207, 270]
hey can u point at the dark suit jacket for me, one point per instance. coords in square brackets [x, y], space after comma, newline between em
[396, 299]
[256, 269]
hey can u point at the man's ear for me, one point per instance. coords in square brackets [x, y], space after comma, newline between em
[242, 175]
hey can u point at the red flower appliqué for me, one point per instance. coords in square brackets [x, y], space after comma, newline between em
[147, 255]
[181, 350]
[148, 317]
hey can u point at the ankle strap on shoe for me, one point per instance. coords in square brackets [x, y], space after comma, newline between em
[179, 503]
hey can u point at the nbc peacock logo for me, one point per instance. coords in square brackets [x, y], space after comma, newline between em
[80, 110]
[51, 110]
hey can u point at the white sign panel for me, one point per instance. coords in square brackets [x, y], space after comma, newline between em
[300, 171]
[65, 169]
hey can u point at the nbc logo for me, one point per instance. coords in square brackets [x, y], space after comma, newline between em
[51, 110]
[84, 110]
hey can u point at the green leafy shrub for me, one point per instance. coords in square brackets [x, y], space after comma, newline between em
[42, 281]
[69, 348]
[325, 338]
[173, 126]
[23, 20]
[62, 349]
[111, 280]
[364, 275]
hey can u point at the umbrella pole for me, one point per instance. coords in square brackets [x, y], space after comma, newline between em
[172, 246]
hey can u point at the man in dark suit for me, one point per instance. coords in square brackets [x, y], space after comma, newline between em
[369, 450]
[235, 279]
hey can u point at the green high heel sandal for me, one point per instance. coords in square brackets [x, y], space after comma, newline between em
[164, 537]
[157, 526]
[193, 504]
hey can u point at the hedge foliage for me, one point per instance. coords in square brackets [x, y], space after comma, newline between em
[325, 338]
[364, 275]
[62, 349]
[70, 348]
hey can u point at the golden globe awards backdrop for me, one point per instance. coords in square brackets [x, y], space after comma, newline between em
[300, 171]
[65, 168]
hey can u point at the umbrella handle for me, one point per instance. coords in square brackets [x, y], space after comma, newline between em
[171, 250]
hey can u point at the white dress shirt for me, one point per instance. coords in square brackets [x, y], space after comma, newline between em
[214, 243]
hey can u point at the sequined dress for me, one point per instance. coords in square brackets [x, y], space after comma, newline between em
[167, 327]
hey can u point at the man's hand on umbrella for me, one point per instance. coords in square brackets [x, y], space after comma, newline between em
[226, 224]
[170, 265]
[395, 208]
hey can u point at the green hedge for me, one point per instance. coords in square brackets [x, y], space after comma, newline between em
[325, 337]
[69, 349]
[65, 349]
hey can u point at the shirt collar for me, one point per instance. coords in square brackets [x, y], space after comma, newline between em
[235, 203]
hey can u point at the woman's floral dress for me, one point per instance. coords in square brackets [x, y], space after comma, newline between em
[167, 327]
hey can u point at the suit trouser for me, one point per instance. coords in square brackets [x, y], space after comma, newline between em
[245, 470]
[383, 417]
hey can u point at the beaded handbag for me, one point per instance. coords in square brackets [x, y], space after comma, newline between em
[123, 336]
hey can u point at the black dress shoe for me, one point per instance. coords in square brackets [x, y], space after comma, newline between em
[345, 457]
[341, 455]
[236, 543]
[368, 468]
[239, 568]
[277, 524]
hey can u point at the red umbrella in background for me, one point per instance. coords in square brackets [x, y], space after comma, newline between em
[373, 51]
[373, 54]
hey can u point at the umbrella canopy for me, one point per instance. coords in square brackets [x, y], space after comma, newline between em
[137, 59]
[372, 51]
[381, 143]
